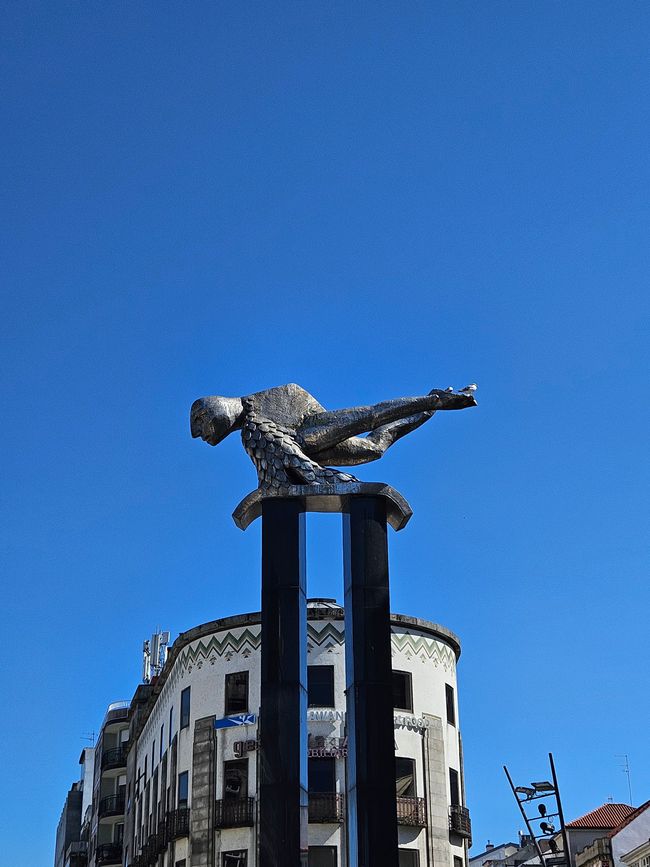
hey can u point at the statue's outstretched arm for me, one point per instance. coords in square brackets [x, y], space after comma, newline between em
[321, 431]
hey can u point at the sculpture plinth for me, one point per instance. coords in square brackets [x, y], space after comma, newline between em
[290, 437]
[327, 498]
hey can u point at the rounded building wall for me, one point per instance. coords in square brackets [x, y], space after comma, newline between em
[208, 664]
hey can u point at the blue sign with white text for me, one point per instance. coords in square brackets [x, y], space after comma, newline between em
[240, 719]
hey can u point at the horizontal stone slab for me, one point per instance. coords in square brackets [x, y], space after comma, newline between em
[327, 498]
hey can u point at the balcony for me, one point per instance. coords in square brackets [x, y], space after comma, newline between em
[161, 837]
[150, 851]
[113, 759]
[112, 805]
[109, 853]
[326, 807]
[411, 811]
[178, 823]
[235, 813]
[76, 855]
[459, 821]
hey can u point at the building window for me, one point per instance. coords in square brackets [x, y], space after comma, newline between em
[454, 787]
[409, 858]
[320, 686]
[171, 721]
[321, 775]
[162, 739]
[236, 693]
[235, 779]
[405, 777]
[451, 707]
[322, 856]
[182, 789]
[458, 862]
[185, 707]
[181, 863]
[235, 859]
[402, 690]
[153, 754]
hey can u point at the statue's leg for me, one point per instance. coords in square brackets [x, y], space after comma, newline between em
[362, 450]
[324, 430]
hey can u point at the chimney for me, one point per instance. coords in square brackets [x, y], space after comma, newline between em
[489, 845]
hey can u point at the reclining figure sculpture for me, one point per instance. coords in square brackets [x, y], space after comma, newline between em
[291, 438]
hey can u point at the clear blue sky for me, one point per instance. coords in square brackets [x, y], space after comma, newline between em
[371, 199]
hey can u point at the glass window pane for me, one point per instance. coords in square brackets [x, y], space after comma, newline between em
[408, 858]
[405, 777]
[235, 779]
[454, 788]
[320, 686]
[236, 693]
[185, 707]
[322, 856]
[402, 691]
[451, 708]
[234, 859]
[182, 789]
[321, 775]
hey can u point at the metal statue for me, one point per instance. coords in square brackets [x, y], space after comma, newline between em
[291, 438]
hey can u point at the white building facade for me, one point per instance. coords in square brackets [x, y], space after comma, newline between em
[189, 776]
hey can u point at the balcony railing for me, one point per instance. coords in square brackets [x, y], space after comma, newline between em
[113, 759]
[178, 823]
[77, 853]
[326, 807]
[112, 805]
[411, 811]
[151, 850]
[459, 821]
[161, 837]
[235, 813]
[109, 853]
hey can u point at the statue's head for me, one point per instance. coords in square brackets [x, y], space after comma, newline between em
[213, 418]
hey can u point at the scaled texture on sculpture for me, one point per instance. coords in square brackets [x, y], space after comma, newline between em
[292, 439]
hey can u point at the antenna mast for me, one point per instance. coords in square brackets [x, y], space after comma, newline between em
[625, 767]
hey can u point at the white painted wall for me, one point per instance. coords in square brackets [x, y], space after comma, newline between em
[204, 663]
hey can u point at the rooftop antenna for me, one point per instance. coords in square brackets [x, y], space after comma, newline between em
[89, 736]
[625, 767]
[154, 655]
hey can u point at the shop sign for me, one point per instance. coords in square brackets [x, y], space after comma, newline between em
[412, 723]
[240, 719]
[319, 747]
[326, 715]
[240, 748]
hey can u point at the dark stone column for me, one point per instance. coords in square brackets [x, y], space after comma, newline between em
[371, 801]
[283, 710]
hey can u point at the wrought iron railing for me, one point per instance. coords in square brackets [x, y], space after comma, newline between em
[178, 823]
[411, 811]
[112, 805]
[235, 813]
[109, 853]
[161, 837]
[459, 821]
[115, 758]
[326, 807]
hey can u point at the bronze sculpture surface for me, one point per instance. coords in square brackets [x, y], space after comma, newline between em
[291, 438]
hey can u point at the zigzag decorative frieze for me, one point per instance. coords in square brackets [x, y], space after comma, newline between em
[326, 631]
[244, 642]
[411, 644]
[320, 633]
